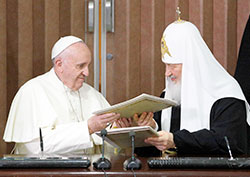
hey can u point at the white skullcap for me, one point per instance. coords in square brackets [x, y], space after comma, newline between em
[62, 44]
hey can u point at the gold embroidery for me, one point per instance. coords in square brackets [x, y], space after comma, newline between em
[164, 47]
[179, 21]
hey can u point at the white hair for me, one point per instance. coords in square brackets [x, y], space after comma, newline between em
[173, 90]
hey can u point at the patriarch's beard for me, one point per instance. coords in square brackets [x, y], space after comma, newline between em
[173, 90]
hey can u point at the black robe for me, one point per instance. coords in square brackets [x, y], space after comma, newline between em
[227, 118]
[242, 73]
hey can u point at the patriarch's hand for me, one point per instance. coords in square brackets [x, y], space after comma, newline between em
[122, 122]
[163, 142]
[145, 119]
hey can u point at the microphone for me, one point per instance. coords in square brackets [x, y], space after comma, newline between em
[41, 139]
[229, 149]
[102, 163]
[132, 163]
[41, 144]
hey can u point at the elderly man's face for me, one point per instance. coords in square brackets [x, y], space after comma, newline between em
[173, 71]
[173, 81]
[74, 65]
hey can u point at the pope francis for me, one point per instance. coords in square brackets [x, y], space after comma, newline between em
[60, 104]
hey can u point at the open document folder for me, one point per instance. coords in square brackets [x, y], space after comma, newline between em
[139, 104]
[119, 137]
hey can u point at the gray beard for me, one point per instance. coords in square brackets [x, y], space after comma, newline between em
[173, 90]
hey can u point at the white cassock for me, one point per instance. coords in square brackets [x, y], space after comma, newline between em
[61, 113]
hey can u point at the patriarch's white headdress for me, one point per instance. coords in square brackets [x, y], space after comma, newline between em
[204, 80]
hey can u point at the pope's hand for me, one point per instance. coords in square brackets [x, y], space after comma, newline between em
[163, 142]
[122, 122]
[99, 122]
[145, 119]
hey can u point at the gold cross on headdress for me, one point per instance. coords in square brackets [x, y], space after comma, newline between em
[178, 14]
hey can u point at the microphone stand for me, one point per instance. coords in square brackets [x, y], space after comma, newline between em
[102, 163]
[132, 163]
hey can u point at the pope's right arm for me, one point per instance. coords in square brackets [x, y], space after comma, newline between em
[65, 138]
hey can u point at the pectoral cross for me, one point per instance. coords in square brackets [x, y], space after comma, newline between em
[178, 14]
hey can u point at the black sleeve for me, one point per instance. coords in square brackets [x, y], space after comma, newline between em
[227, 118]
[157, 115]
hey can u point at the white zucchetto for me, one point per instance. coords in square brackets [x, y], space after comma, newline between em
[62, 44]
